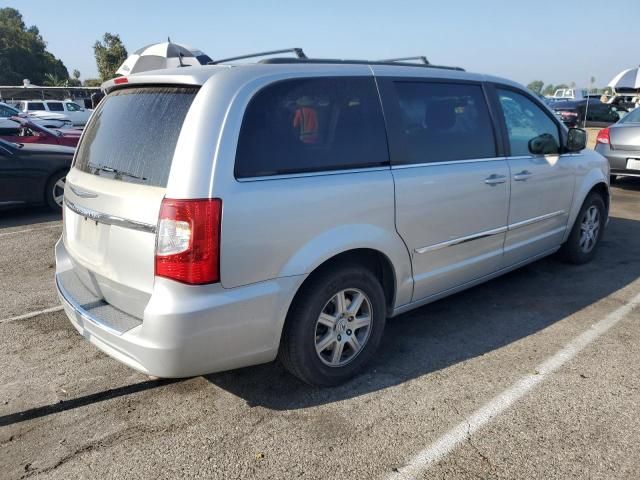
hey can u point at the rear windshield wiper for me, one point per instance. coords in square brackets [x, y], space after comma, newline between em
[116, 172]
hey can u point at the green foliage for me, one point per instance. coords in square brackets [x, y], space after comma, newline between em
[54, 81]
[92, 82]
[110, 54]
[548, 90]
[536, 86]
[24, 53]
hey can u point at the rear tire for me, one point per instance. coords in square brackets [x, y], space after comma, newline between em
[587, 231]
[54, 190]
[326, 338]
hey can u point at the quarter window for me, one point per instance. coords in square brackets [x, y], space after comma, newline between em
[444, 122]
[525, 121]
[307, 125]
[35, 106]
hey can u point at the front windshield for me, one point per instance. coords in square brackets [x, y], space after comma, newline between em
[632, 117]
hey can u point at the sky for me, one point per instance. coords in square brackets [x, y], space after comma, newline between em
[553, 41]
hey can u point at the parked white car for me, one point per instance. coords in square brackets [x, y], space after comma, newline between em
[71, 110]
[42, 118]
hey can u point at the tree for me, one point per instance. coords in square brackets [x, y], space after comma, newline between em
[92, 82]
[75, 81]
[549, 90]
[110, 54]
[536, 86]
[24, 53]
[55, 81]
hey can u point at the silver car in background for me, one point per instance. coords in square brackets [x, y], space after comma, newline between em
[620, 144]
[222, 216]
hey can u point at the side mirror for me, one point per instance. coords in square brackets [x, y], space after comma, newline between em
[544, 144]
[576, 140]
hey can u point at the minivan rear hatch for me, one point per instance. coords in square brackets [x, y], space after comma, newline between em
[115, 189]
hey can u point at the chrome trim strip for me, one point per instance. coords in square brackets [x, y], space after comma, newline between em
[109, 219]
[82, 193]
[450, 162]
[321, 173]
[457, 241]
[488, 233]
[524, 223]
[81, 311]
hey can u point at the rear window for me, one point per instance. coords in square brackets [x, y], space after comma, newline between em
[633, 117]
[35, 106]
[307, 125]
[133, 134]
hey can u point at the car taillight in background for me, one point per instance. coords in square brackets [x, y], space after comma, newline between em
[603, 136]
[188, 242]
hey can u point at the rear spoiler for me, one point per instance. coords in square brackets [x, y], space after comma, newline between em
[188, 76]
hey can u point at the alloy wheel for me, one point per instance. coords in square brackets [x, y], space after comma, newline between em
[343, 327]
[58, 191]
[589, 229]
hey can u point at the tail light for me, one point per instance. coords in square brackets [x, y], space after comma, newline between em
[188, 242]
[603, 136]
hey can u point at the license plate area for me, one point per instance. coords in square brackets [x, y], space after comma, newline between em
[633, 164]
[86, 238]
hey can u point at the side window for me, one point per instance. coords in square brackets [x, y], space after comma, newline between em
[55, 106]
[73, 107]
[525, 121]
[314, 124]
[35, 106]
[6, 112]
[444, 122]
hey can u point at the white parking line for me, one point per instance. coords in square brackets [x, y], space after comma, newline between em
[32, 314]
[478, 419]
[58, 225]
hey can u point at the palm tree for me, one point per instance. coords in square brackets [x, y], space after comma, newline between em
[51, 80]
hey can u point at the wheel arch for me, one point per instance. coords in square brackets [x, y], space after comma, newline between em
[594, 181]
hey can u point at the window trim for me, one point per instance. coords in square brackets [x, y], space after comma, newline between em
[396, 138]
[494, 87]
[320, 171]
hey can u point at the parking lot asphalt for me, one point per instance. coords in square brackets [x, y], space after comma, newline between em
[445, 398]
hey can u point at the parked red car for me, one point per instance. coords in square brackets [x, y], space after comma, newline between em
[29, 132]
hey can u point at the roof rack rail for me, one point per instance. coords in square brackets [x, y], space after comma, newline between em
[298, 51]
[421, 58]
[281, 60]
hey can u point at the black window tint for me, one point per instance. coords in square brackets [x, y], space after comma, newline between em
[307, 125]
[55, 107]
[443, 122]
[133, 134]
[7, 112]
[524, 120]
[35, 106]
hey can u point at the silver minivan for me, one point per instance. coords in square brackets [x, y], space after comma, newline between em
[222, 216]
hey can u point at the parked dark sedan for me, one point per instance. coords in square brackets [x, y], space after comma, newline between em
[33, 174]
[597, 114]
[620, 143]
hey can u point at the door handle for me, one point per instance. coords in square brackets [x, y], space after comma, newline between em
[495, 179]
[523, 176]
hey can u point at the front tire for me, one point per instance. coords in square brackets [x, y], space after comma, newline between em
[334, 326]
[54, 191]
[587, 231]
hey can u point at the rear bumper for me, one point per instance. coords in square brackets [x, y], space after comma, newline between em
[618, 159]
[187, 330]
